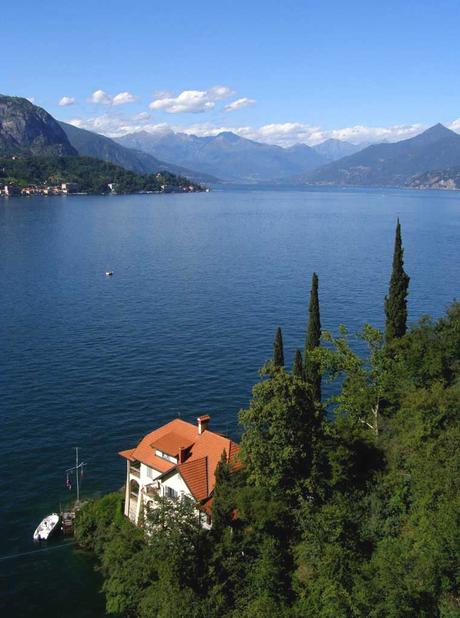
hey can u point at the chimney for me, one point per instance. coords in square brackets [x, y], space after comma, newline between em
[182, 454]
[203, 422]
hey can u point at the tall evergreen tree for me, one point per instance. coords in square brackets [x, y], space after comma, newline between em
[312, 341]
[222, 506]
[396, 301]
[297, 366]
[278, 354]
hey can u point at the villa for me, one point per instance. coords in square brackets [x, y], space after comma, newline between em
[177, 461]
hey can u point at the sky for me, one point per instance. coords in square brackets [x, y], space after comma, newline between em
[281, 72]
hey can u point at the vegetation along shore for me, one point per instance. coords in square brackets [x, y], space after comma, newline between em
[341, 506]
[56, 175]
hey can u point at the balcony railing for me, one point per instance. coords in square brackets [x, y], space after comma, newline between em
[152, 489]
[135, 471]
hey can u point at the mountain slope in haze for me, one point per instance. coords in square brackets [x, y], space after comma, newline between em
[226, 155]
[98, 146]
[392, 164]
[437, 179]
[26, 129]
[333, 149]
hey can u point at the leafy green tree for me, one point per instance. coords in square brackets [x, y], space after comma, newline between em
[312, 341]
[278, 353]
[95, 522]
[396, 300]
[279, 426]
[365, 380]
[128, 568]
[297, 366]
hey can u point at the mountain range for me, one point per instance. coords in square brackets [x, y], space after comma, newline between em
[98, 146]
[333, 149]
[429, 159]
[226, 155]
[392, 164]
[29, 130]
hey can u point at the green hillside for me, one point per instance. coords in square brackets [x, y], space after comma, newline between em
[91, 175]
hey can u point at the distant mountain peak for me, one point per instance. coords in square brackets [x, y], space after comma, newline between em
[437, 130]
[395, 163]
[229, 136]
[333, 149]
[228, 156]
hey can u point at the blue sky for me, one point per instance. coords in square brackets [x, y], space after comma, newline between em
[281, 71]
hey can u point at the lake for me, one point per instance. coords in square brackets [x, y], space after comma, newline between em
[200, 283]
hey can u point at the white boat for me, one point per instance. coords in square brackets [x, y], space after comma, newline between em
[46, 527]
[109, 273]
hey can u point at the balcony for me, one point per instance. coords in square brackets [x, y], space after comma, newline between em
[152, 490]
[135, 471]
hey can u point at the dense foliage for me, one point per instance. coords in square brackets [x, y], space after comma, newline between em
[91, 175]
[352, 517]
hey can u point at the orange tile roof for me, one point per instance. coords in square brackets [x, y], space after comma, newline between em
[171, 443]
[195, 474]
[128, 454]
[203, 454]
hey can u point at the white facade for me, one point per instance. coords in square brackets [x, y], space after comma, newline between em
[143, 484]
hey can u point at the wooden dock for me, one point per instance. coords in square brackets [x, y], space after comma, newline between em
[67, 522]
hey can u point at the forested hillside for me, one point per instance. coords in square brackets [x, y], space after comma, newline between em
[90, 175]
[347, 506]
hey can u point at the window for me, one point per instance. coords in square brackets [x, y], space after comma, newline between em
[170, 493]
[165, 456]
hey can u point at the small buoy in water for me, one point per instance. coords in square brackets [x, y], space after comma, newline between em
[109, 273]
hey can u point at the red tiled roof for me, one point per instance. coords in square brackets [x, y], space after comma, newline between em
[195, 474]
[203, 454]
[128, 454]
[171, 443]
[233, 456]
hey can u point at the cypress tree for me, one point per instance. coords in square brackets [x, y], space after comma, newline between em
[278, 354]
[396, 301]
[312, 341]
[222, 507]
[297, 366]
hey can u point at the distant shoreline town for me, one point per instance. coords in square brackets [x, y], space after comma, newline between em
[72, 188]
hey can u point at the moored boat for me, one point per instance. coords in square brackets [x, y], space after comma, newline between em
[46, 527]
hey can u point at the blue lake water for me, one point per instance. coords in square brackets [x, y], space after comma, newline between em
[200, 283]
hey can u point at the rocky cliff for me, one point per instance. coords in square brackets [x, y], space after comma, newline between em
[26, 129]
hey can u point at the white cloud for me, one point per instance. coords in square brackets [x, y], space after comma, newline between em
[238, 104]
[190, 101]
[100, 96]
[142, 116]
[122, 98]
[217, 93]
[64, 101]
[283, 134]
[290, 133]
[104, 98]
[454, 125]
